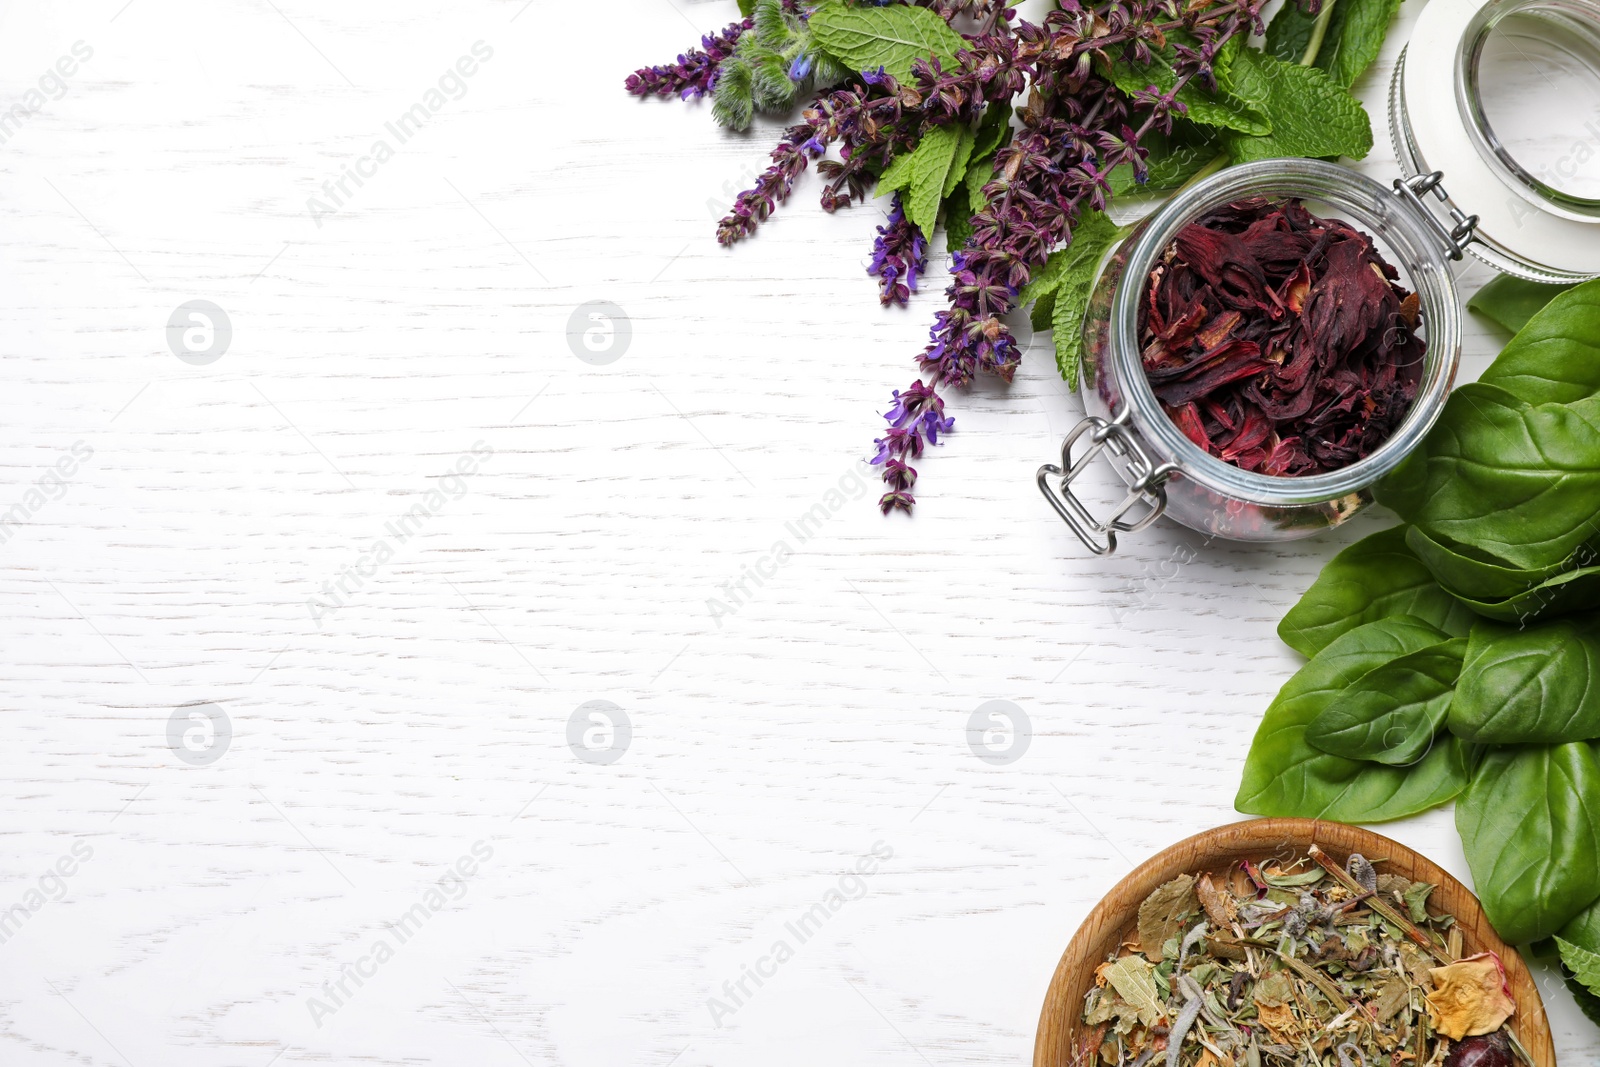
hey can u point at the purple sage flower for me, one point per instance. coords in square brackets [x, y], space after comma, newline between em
[695, 72]
[899, 254]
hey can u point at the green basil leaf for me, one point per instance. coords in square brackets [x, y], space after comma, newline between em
[1391, 714]
[866, 38]
[1530, 823]
[1555, 356]
[1581, 963]
[1539, 685]
[1570, 591]
[1471, 574]
[1285, 776]
[1356, 29]
[1224, 110]
[1375, 578]
[1310, 114]
[1510, 594]
[1518, 481]
[1512, 301]
[1583, 929]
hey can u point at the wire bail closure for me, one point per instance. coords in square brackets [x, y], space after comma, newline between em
[1464, 232]
[1147, 485]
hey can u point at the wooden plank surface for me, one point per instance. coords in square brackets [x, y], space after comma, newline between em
[399, 690]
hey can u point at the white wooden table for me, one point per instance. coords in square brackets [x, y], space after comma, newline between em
[399, 772]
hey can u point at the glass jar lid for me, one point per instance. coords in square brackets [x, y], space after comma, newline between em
[1503, 97]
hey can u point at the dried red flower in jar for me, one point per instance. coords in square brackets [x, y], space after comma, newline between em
[1278, 341]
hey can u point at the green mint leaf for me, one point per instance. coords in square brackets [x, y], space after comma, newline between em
[1375, 578]
[897, 175]
[980, 172]
[1059, 290]
[1289, 32]
[957, 221]
[1042, 315]
[866, 38]
[959, 161]
[1530, 826]
[1310, 114]
[747, 7]
[1285, 776]
[1224, 110]
[1168, 170]
[993, 131]
[1584, 965]
[1070, 299]
[1356, 29]
[1048, 278]
[930, 173]
[1588, 1003]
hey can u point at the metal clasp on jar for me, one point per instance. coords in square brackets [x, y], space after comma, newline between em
[1147, 485]
[1456, 238]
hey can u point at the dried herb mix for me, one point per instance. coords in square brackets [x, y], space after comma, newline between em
[1278, 341]
[1299, 964]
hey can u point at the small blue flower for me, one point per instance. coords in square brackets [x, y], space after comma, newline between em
[800, 69]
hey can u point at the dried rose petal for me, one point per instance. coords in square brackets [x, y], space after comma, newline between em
[1470, 997]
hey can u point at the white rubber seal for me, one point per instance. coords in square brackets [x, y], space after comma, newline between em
[1510, 216]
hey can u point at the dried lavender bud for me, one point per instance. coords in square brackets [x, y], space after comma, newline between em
[1489, 1050]
[1362, 871]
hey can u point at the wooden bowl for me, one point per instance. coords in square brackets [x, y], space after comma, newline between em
[1115, 919]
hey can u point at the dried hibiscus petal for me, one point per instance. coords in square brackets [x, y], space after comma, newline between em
[1279, 341]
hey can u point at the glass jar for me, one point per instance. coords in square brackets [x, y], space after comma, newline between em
[1503, 103]
[1169, 474]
